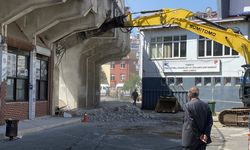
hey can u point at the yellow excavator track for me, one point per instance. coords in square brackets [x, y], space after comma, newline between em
[234, 117]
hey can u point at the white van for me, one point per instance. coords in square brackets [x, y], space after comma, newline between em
[104, 89]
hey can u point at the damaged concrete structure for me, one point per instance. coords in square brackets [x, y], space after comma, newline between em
[51, 53]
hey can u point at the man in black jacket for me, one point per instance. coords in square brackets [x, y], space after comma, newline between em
[198, 122]
[134, 96]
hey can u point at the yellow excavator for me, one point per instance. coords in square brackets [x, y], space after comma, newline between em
[185, 20]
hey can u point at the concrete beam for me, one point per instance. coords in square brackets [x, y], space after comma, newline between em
[34, 23]
[91, 21]
[11, 10]
[68, 28]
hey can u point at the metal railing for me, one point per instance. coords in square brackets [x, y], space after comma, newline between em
[181, 97]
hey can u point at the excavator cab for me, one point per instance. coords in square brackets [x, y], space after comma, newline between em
[245, 87]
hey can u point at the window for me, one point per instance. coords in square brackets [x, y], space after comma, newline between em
[10, 89]
[112, 65]
[134, 45]
[227, 51]
[123, 77]
[237, 81]
[179, 81]
[17, 75]
[112, 77]
[137, 67]
[122, 65]
[167, 50]
[168, 47]
[234, 52]
[227, 81]
[171, 81]
[137, 55]
[198, 82]
[217, 81]
[42, 77]
[208, 48]
[207, 81]
[217, 48]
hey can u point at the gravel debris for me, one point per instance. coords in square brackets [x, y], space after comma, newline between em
[115, 111]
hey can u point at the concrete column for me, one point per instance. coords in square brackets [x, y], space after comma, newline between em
[55, 82]
[92, 91]
[90, 78]
[3, 58]
[32, 85]
[96, 98]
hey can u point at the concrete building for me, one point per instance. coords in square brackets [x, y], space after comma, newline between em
[121, 70]
[175, 59]
[106, 69]
[51, 53]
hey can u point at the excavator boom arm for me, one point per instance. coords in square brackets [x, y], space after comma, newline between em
[181, 18]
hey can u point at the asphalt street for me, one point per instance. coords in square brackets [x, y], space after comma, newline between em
[95, 137]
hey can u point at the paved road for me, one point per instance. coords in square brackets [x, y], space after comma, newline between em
[90, 136]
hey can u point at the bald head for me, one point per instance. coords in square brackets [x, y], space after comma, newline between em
[193, 92]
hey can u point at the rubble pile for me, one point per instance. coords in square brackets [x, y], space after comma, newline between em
[127, 113]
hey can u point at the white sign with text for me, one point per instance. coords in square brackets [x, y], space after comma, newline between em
[191, 66]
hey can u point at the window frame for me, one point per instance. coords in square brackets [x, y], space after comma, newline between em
[207, 83]
[171, 80]
[226, 83]
[112, 65]
[21, 76]
[112, 77]
[204, 50]
[122, 77]
[123, 65]
[179, 81]
[217, 81]
[41, 80]
[168, 47]
[199, 83]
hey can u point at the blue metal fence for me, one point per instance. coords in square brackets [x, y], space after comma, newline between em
[151, 96]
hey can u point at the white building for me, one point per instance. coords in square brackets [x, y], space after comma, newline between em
[174, 59]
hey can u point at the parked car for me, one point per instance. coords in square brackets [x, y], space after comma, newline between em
[104, 90]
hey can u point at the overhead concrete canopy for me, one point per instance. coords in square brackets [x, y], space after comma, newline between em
[42, 19]
[90, 21]
[68, 28]
[11, 10]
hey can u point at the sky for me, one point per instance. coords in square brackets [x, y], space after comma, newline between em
[192, 5]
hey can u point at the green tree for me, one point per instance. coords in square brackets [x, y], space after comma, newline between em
[103, 77]
[133, 82]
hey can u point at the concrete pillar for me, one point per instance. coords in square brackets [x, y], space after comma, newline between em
[82, 97]
[97, 84]
[32, 85]
[91, 81]
[3, 58]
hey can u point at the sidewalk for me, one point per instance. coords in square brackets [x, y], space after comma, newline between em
[38, 124]
[228, 138]
[218, 139]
